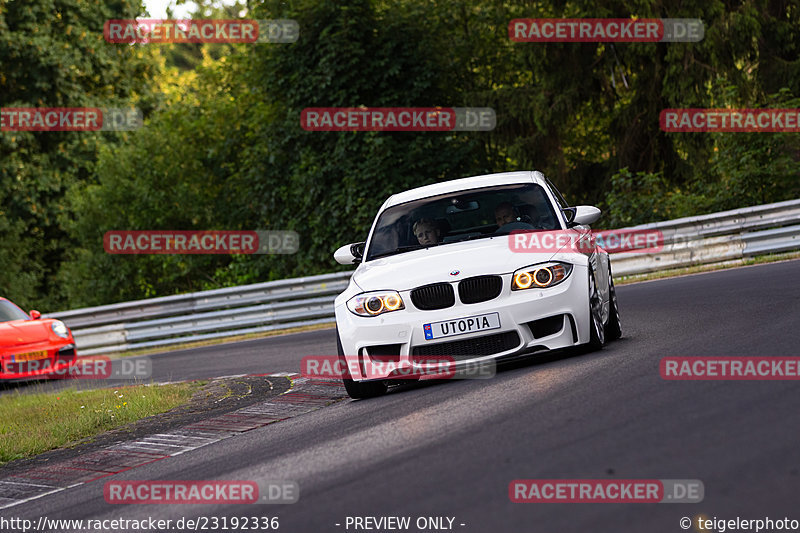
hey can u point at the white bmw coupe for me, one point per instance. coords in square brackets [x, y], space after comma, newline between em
[438, 276]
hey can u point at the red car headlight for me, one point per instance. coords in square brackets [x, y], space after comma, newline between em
[60, 329]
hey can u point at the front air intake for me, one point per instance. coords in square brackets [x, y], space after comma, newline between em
[476, 346]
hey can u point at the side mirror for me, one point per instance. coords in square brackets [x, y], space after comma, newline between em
[36, 315]
[349, 254]
[584, 215]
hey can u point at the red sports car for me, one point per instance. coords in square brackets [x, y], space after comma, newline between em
[32, 346]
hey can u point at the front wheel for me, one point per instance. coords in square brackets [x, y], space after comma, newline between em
[358, 390]
[597, 332]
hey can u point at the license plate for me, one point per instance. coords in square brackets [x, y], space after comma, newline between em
[460, 326]
[29, 356]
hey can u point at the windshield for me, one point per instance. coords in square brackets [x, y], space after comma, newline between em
[9, 311]
[462, 215]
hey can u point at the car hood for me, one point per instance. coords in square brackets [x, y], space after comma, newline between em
[21, 332]
[419, 267]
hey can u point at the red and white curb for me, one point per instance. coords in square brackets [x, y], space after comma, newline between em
[303, 396]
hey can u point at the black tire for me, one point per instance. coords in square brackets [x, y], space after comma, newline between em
[614, 326]
[358, 390]
[597, 331]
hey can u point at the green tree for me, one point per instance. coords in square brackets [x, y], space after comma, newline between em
[170, 175]
[230, 154]
[224, 149]
[52, 54]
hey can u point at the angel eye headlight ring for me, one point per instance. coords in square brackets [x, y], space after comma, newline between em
[523, 280]
[375, 303]
[540, 276]
[392, 302]
[543, 277]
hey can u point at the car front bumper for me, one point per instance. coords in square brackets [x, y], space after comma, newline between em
[60, 358]
[530, 320]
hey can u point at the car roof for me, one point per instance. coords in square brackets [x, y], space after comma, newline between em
[474, 182]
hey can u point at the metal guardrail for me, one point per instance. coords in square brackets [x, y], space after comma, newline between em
[205, 315]
[261, 307]
[717, 237]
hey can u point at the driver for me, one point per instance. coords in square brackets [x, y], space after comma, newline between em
[505, 214]
[427, 231]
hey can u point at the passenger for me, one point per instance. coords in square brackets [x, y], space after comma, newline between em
[427, 231]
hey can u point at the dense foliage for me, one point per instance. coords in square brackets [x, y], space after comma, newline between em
[223, 148]
[52, 55]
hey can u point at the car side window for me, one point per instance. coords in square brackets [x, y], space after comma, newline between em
[566, 212]
[556, 194]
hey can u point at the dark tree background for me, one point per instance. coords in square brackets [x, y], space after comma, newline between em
[222, 147]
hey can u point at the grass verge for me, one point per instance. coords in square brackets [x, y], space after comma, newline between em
[34, 423]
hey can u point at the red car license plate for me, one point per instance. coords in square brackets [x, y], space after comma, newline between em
[29, 356]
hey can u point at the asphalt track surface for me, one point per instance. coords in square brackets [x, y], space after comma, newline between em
[452, 449]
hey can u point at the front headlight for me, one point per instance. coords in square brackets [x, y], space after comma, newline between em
[375, 303]
[540, 276]
[60, 329]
